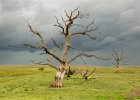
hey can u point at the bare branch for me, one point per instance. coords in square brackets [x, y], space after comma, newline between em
[85, 73]
[67, 14]
[57, 45]
[91, 72]
[49, 60]
[42, 45]
[74, 10]
[60, 26]
[37, 33]
[90, 24]
[122, 57]
[87, 31]
[63, 21]
[47, 51]
[27, 45]
[87, 55]
[52, 54]
[53, 66]
[78, 14]
[114, 56]
[70, 16]
[91, 36]
[70, 19]
[31, 46]
[49, 63]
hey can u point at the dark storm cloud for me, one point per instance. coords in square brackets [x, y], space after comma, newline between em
[118, 21]
[13, 22]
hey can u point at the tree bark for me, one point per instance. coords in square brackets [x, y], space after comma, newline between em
[117, 69]
[58, 81]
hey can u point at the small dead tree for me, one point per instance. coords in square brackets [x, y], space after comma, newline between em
[65, 27]
[118, 58]
[86, 74]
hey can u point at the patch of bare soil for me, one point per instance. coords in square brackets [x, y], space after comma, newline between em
[133, 94]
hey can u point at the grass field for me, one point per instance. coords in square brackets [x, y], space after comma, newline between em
[29, 83]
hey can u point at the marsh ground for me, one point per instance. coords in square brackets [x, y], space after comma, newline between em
[29, 83]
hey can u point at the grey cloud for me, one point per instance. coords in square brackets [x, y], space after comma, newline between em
[118, 21]
[130, 35]
[109, 42]
[14, 5]
[133, 32]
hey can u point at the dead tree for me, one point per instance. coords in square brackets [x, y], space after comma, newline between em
[86, 74]
[65, 27]
[118, 58]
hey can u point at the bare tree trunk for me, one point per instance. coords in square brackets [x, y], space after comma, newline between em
[118, 58]
[58, 81]
[117, 69]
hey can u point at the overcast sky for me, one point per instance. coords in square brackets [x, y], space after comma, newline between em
[118, 21]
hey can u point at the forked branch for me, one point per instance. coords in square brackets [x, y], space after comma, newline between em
[37, 34]
[87, 55]
[60, 26]
[118, 57]
[49, 64]
[42, 45]
[86, 31]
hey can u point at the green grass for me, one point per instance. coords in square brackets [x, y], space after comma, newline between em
[29, 83]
